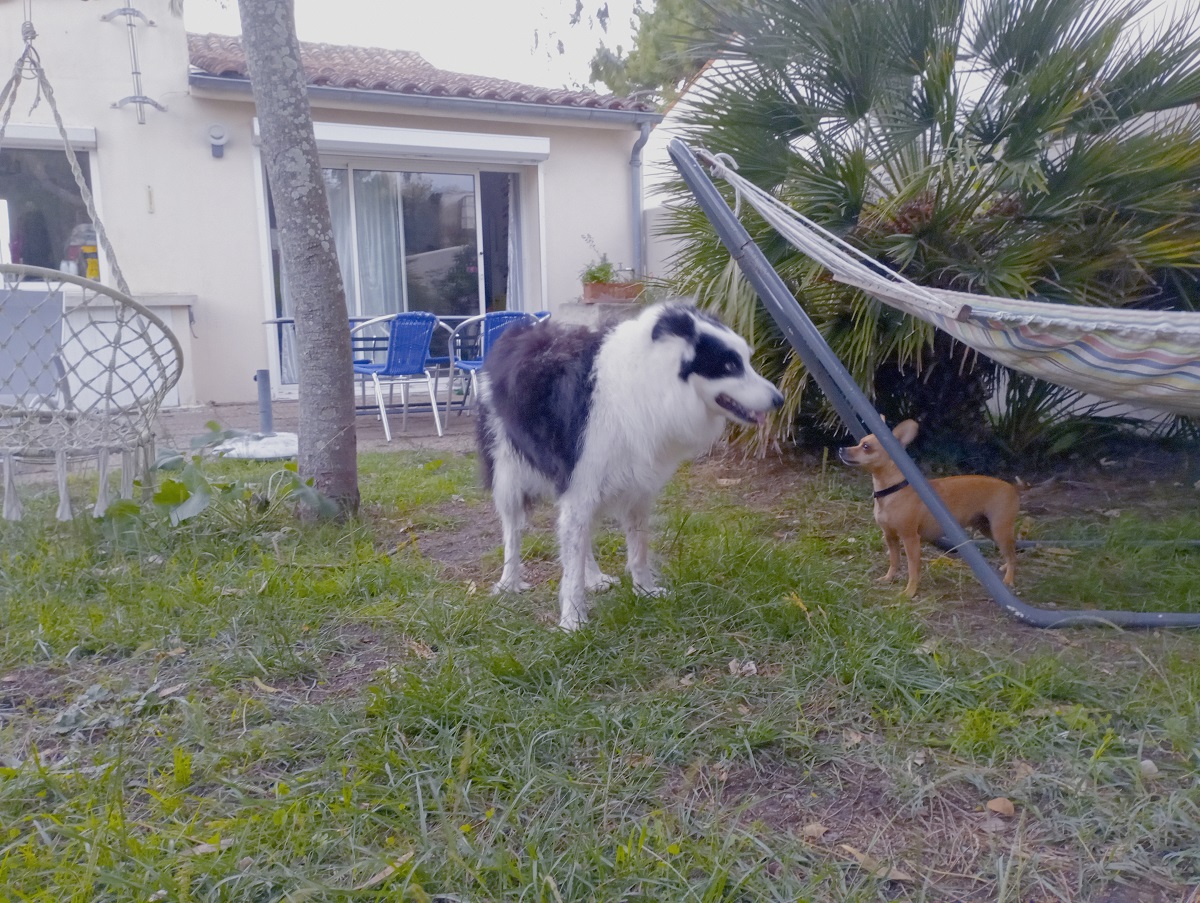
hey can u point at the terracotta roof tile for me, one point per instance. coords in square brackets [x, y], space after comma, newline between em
[395, 72]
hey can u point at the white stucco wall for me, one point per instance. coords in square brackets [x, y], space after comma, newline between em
[189, 229]
[181, 223]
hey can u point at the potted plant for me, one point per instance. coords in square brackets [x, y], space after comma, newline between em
[603, 282]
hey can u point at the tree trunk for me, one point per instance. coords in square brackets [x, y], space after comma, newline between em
[328, 444]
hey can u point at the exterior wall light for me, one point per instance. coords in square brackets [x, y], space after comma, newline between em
[216, 139]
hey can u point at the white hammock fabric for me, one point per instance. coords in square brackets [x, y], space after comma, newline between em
[1146, 358]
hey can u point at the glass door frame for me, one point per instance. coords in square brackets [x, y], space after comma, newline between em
[351, 163]
[408, 165]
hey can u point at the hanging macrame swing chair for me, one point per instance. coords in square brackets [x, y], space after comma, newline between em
[84, 367]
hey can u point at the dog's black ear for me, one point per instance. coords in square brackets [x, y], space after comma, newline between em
[675, 321]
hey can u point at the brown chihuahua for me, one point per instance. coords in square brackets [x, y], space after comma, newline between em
[988, 504]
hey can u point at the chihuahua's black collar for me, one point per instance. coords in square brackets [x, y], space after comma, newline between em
[886, 492]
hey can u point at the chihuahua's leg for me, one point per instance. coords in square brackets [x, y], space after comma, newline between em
[912, 553]
[892, 540]
[1004, 534]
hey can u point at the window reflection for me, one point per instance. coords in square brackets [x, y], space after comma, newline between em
[45, 222]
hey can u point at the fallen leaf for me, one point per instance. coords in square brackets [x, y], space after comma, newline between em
[1002, 806]
[797, 601]
[728, 481]
[419, 649]
[201, 848]
[8, 679]
[814, 831]
[851, 738]
[1148, 768]
[386, 872]
[264, 687]
[691, 650]
[993, 824]
[1112, 512]
[1057, 550]
[170, 691]
[874, 867]
[687, 680]
[740, 668]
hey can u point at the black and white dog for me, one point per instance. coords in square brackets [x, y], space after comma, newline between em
[601, 420]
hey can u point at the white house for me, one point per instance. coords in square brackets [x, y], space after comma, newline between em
[449, 192]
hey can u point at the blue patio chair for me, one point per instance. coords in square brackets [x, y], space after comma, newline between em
[409, 335]
[470, 342]
[440, 363]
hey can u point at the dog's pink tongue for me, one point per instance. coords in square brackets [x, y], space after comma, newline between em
[760, 416]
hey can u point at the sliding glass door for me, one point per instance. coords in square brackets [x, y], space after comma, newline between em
[442, 242]
[413, 241]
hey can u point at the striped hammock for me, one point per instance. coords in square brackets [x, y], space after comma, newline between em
[1147, 358]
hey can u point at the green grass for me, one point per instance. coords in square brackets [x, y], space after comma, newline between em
[249, 708]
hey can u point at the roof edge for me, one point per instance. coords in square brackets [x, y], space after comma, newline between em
[236, 86]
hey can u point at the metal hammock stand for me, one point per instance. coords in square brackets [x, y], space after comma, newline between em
[84, 367]
[860, 416]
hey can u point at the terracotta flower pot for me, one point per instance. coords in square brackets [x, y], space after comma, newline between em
[611, 292]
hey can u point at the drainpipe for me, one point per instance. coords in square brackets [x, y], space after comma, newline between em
[635, 166]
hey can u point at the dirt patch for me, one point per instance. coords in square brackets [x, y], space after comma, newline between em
[848, 810]
[461, 547]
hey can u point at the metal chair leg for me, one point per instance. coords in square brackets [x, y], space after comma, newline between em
[387, 429]
[437, 421]
[474, 390]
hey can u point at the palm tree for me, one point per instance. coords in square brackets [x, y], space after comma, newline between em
[1010, 147]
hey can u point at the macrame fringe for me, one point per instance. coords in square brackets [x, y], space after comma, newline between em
[64, 497]
[127, 474]
[12, 501]
[102, 489]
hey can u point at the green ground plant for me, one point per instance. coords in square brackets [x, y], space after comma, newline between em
[276, 710]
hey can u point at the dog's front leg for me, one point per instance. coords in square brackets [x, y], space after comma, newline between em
[510, 505]
[891, 539]
[637, 547]
[594, 579]
[574, 548]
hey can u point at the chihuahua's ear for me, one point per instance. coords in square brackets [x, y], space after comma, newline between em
[906, 431]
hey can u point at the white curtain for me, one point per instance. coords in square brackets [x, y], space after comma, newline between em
[380, 245]
[516, 300]
[337, 188]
